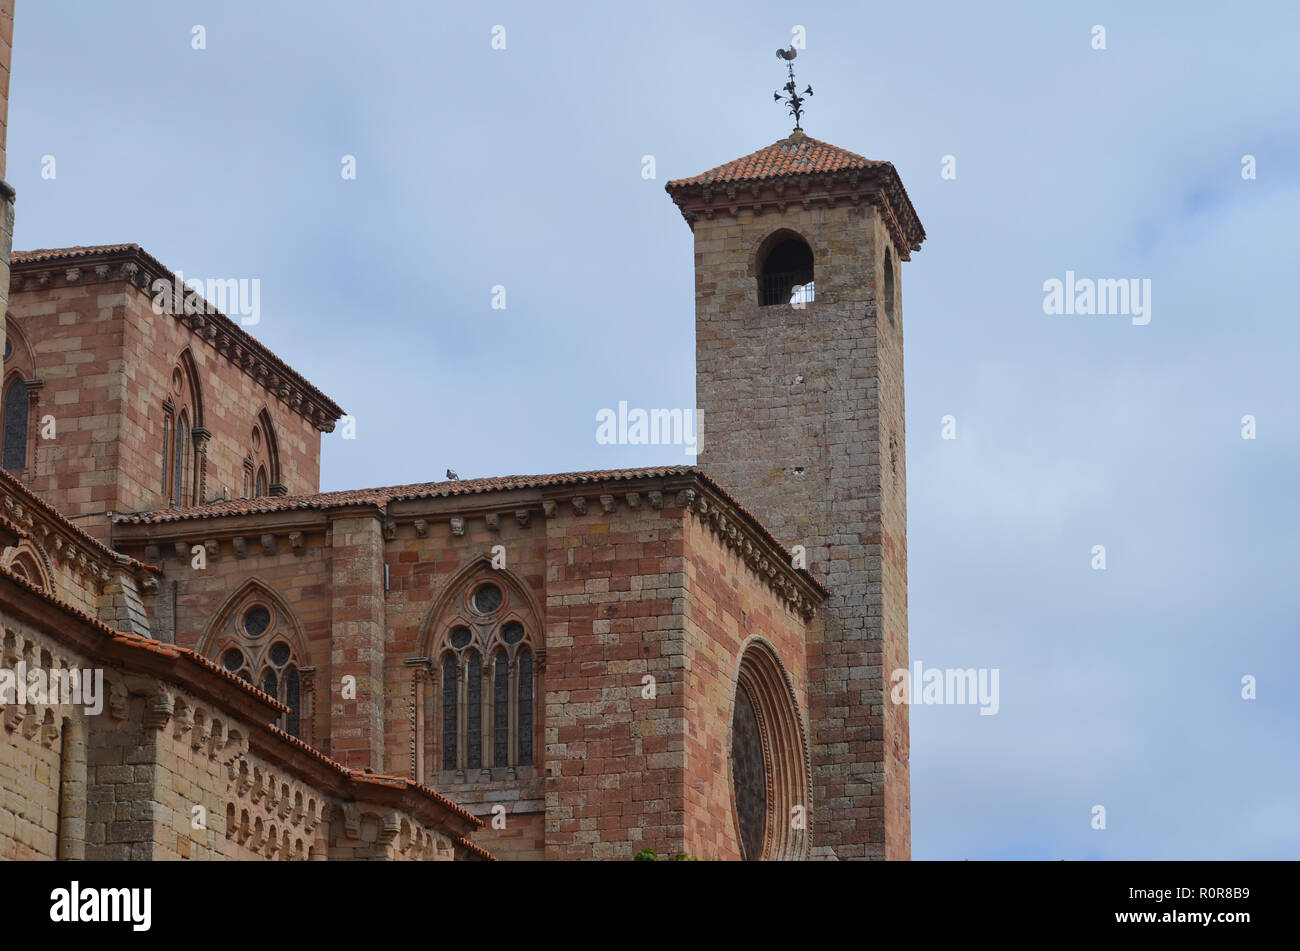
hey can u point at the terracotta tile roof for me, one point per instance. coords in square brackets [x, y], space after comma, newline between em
[135, 641]
[13, 528]
[50, 512]
[423, 490]
[231, 327]
[38, 255]
[476, 849]
[764, 179]
[402, 782]
[793, 156]
[394, 493]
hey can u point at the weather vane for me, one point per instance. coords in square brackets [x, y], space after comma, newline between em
[793, 99]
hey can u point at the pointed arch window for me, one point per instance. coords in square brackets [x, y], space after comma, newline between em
[450, 718]
[182, 417]
[486, 684]
[262, 458]
[258, 643]
[166, 449]
[16, 413]
[180, 448]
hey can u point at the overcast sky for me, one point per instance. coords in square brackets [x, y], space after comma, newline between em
[522, 167]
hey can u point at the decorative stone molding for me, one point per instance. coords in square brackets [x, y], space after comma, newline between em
[458, 526]
[421, 527]
[268, 544]
[493, 521]
[159, 709]
[549, 508]
[633, 500]
[226, 337]
[240, 545]
[769, 564]
[390, 530]
[118, 700]
[579, 505]
[296, 542]
[522, 517]
[656, 499]
[607, 503]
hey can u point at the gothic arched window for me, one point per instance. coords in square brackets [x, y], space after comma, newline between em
[180, 449]
[182, 416]
[259, 643]
[17, 411]
[486, 684]
[166, 449]
[262, 459]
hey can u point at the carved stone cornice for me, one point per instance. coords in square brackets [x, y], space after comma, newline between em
[878, 186]
[135, 266]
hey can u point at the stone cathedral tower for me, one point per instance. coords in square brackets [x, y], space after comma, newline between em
[799, 377]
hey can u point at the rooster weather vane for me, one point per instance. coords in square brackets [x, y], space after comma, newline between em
[793, 99]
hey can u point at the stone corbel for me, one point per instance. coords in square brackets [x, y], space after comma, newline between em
[493, 521]
[158, 711]
[521, 517]
[458, 526]
[388, 832]
[351, 820]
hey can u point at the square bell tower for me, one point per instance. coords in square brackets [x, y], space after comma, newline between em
[799, 377]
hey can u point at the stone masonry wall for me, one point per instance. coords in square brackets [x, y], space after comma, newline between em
[804, 421]
[727, 604]
[106, 361]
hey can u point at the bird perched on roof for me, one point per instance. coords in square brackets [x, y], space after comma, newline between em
[451, 476]
[787, 55]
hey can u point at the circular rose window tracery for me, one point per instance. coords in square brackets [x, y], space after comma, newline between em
[769, 769]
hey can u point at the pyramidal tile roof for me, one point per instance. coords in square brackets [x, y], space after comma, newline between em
[804, 170]
[796, 155]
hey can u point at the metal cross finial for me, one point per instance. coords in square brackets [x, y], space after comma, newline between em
[793, 99]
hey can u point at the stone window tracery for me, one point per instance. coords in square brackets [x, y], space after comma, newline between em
[768, 763]
[262, 460]
[18, 391]
[259, 643]
[184, 453]
[17, 414]
[483, 656]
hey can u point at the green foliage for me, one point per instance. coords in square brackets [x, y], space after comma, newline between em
[650, 855]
